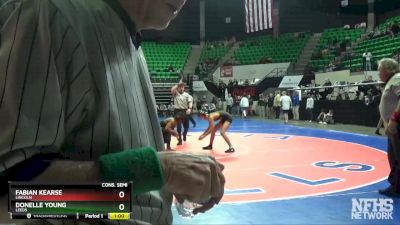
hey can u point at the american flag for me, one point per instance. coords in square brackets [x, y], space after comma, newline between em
[258, 15]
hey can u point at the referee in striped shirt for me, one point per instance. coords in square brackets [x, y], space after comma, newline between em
[183, 105]
[77, 105]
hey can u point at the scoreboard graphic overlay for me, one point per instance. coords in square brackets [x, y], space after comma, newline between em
[70, 201]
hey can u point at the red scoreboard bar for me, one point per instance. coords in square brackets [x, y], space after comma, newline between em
[70, 201]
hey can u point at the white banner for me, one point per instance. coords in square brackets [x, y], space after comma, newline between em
[199, 86]
[345, 75]
[258, 71]
[290, 81]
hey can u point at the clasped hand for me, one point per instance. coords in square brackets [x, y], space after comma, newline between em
[193, 177]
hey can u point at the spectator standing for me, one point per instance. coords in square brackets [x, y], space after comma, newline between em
[277, 104]
[314, 91]
[295, 105]
[261, 105]
[327, 91]
[389, 108]
[270, 106]
[229, 103]
[286, 104]
[310, 107]
[367, 58]
[244, 106]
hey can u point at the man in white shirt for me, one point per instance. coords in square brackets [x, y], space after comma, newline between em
[367, 57]
[286, 104]
[389, 108]
[310, 107]
[244, 105]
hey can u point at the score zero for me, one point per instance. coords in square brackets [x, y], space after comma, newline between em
[114, 184]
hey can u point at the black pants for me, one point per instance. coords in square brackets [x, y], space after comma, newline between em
[229, 109]
[394, 175]
[184, 121]
[277, 112]
[310, 114]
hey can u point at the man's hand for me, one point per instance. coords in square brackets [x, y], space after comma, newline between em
[181, 80]
[202, 137]
[193, 177]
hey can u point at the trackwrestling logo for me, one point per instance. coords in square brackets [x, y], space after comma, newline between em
[372, 209]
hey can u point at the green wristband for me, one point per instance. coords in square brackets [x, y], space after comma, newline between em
[142, 166]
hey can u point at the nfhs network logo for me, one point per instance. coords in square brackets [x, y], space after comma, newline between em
[372, 209]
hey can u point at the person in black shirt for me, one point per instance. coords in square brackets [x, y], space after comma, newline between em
[224, 120]
[327, 90]
[270, 106]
